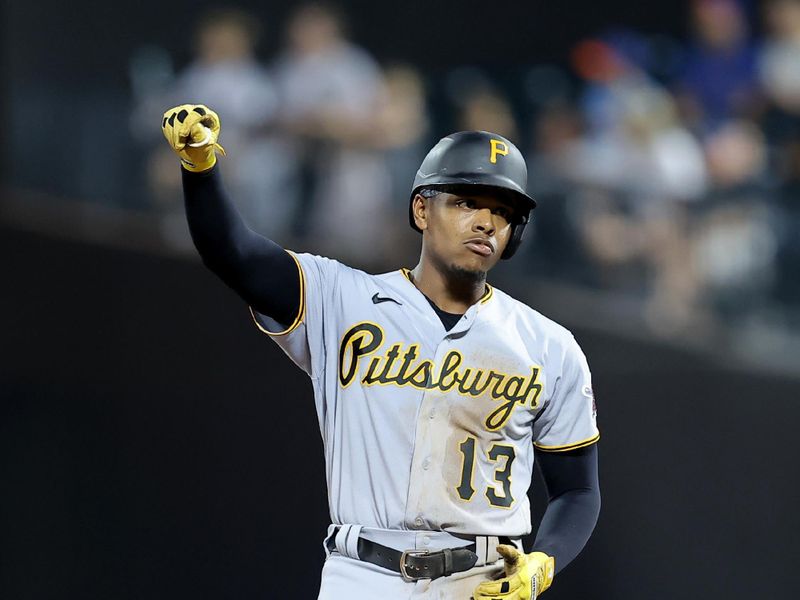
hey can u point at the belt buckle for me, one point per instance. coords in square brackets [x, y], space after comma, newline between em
[403, 572]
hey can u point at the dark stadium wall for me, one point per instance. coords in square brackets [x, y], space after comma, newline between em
[155, 445]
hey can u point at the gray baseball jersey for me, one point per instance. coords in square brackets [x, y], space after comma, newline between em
[425, 428]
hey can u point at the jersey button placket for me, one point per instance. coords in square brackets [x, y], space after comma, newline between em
[428, 439]
[425, 482]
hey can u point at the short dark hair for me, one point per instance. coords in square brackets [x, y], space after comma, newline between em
[429, 192]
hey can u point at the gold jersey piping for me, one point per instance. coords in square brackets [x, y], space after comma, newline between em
[301, 313]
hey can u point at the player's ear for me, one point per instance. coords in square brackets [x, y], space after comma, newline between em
[420, 208]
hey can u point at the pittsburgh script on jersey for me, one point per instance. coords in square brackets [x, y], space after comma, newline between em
[400, 366]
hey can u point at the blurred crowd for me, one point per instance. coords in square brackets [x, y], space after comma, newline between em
[665, 169]
[319, 142]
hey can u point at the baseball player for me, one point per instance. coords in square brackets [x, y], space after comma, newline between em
[435, 392]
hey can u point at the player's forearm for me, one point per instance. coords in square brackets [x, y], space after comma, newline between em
[574, 503]
[218, 231]
[256, 268]
[567, 525]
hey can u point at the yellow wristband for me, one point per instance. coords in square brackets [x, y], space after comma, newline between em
[200, 167]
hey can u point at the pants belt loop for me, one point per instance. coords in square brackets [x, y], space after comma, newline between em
[347, 540]
[480, 549]
[448, 561]
[331, 533]
[492, 555]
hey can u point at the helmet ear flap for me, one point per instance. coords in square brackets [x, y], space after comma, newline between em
[514, 241]
[517, 231]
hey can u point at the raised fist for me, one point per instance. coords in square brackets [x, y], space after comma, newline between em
[192, 131]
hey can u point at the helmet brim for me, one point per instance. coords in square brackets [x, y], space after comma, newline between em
[521, 202]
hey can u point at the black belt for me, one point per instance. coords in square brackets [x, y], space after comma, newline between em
[416, 564]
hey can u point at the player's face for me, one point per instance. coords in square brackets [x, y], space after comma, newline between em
[467, 232]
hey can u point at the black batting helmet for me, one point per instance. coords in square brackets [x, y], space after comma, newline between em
[478, 158]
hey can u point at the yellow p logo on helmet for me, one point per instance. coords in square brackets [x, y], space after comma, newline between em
[499, 147]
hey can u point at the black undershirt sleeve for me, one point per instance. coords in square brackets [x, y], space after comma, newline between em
[257, 269]
[573, 489]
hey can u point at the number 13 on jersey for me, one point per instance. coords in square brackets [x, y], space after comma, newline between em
[501, 454]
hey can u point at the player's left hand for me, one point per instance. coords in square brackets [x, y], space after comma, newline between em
[527, 576]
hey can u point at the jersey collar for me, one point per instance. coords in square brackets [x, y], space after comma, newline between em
[487, 295]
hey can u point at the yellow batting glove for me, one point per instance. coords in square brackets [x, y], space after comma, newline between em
[192, 131]
[527, 576]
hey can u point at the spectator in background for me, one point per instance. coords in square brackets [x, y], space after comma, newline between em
[634, 141]
[330, 93]
[719, 80]
[779, 61]
[477, 104]
[226, 74]
[734, 242]
[633, 171]
[555, 248]
[779, 73]
[787, 281]
[398, 136]
[402, 129]
[485, 109]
